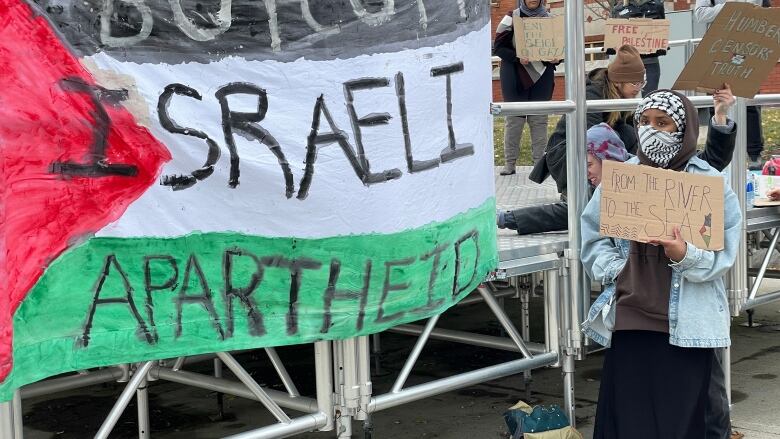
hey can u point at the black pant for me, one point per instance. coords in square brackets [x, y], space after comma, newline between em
[651, 389]
[652, 75]
[538, 219]
[717, 414]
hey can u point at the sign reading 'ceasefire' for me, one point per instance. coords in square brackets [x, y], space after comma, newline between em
[641, 203]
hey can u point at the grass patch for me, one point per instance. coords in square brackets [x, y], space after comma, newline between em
[770, 118]
[525, 158]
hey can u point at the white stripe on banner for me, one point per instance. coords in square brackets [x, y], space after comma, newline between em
[338, 203]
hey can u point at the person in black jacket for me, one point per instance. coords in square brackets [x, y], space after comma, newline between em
[718, 151]
[521, 81]
[644, 9]
[622, 79]
[705, 13]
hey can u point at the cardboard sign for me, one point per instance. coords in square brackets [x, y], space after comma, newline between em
[763, 184]
[645, 34]
[540, 39]
[740, 48]
[641, 203]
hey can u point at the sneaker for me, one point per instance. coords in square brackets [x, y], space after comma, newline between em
[754, 164]
[509, 168]
[501, 219]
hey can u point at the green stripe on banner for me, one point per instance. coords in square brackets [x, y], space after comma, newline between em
[119, 300]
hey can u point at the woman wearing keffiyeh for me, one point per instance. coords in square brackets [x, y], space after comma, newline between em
[521, 81]
[664, 307]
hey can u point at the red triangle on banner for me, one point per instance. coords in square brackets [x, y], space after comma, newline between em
[73, 159]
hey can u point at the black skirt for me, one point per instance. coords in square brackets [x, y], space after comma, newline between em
[651, 389]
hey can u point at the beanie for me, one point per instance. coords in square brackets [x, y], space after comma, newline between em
[627, 66]
[604, 143]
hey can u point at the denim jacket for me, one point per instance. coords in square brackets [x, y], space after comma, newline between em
[698, 305]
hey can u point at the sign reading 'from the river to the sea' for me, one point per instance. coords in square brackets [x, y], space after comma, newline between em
[180, 178]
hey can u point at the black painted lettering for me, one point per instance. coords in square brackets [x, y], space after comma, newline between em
[470, 236]
[331, 294]
[387, 287]
[411, 164]
[204, 298]
[315, 139]
[436, 254]
[454, 150]
[244, 295]
[150, 286]
[126, 300]
[178, 182]
[248, 125]
[97, 163]
[367, 121]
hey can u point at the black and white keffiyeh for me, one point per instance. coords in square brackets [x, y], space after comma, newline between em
[659, 146]
[667, 102]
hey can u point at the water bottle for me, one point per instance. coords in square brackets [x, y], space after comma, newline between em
[751, 191]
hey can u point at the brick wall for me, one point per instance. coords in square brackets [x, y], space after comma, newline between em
[771, 85]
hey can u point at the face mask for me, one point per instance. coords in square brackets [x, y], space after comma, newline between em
[659, 146]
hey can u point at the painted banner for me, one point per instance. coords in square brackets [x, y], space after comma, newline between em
[183, 177]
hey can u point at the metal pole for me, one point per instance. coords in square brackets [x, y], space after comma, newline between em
[282, 371]
[6, 420]
[18, 415]
[421, 391]
[470, 338]
[220, 395]
[504, 321]
[142, 397]
[124, 398]
[577, 191]
[764, 265]
[364, 376]
[552, 301]
[56, 385]
[415, 354]
[208, 382]
[296, 426]
[737, 279]
[255, 388]
[323, 373]
[568, 388]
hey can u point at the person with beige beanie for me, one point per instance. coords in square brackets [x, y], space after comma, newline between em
[622, 79]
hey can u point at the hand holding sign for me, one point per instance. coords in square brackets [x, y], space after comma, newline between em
[674, 249]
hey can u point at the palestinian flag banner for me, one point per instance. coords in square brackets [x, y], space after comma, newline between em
[181, 177]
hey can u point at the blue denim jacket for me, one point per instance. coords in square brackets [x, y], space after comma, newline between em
[698, 305]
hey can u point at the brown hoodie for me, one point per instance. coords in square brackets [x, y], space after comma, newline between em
[643, 287]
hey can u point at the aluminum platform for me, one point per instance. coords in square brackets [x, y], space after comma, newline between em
[523, 254]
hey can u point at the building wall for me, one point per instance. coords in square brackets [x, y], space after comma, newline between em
[594, 21]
